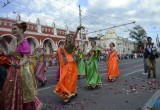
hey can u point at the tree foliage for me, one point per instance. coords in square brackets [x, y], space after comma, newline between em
[138, 34]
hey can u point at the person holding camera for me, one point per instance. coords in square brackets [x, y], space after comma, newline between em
[150, 56]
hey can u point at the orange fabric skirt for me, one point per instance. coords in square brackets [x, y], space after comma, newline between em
[66, 86]
[113, 69]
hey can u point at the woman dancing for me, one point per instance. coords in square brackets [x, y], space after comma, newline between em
[19, 91]
[92, 72]
[112, 64]
[40, 68]
[80, 61]
[66, 87]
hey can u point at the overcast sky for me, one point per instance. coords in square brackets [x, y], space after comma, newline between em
[97, 14]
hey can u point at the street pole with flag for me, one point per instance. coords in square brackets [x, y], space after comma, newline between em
[157, 41]
[80, 20]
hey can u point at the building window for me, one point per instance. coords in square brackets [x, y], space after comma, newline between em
[10, 24]
[45, 29]
[5, 23]
[31, 27]
[36, 28]
[28, 27]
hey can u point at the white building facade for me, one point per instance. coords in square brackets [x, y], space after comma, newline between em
[123, 45]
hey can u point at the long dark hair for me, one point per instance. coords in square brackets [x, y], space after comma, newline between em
[22, 25]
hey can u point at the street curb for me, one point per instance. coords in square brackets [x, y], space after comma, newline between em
[149, 105]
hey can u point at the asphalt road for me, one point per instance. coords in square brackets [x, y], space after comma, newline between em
[131, 91]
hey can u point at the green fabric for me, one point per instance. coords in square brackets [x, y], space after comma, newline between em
[92, 72]
[99, 52]
[80, 63]
[81, 67]
[3, 74]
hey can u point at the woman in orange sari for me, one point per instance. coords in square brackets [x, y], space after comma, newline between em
[66, 87]
[57, 75]
[4, 64]
[112, 64]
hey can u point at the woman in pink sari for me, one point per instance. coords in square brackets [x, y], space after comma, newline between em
[19, 90]
[40, 68]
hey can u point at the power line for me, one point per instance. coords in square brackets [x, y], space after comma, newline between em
[108, 16]
[113, 27]
[33, 11]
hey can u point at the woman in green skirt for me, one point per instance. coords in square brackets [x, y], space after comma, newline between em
[80, 62]
[92, 72]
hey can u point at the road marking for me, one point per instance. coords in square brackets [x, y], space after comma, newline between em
[124, 69]
[100, 74]
[151, 101]
[103, 69]
[133, 72]
[125, 63]
[102, 64]
[46, 88]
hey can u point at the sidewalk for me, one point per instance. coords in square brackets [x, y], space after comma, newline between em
[156, 105]
[154, 102]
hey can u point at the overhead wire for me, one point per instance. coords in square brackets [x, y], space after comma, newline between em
[74, 7]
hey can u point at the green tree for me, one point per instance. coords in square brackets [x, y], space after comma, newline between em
[138, 34]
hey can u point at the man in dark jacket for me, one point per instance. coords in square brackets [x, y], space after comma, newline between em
[150, 56]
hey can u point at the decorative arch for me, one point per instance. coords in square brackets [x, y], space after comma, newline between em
[33, 42]
[60, 41]
[3, 43]
[49, 45]
[8, 39]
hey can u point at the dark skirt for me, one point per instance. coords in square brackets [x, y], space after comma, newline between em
[3, 75]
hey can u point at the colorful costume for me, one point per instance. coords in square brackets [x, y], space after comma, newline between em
[113, 69]
[92, 72]
[66, 87]
[20, 91]
[80, 63]
[40, 69]
[4, 61]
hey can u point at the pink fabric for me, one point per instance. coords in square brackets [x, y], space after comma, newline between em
[12, 91]
[35, 105]
[40, 74]
[24, 47]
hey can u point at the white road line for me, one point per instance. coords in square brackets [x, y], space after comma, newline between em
[123, 63]
[46, 88]
[124, 69]
[151, 101]
[105, 63]
[103, 69]
[133, 72]
[126, 62]
[100, 74]
[148, 105]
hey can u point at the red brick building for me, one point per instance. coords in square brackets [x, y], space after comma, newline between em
[37, 34]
